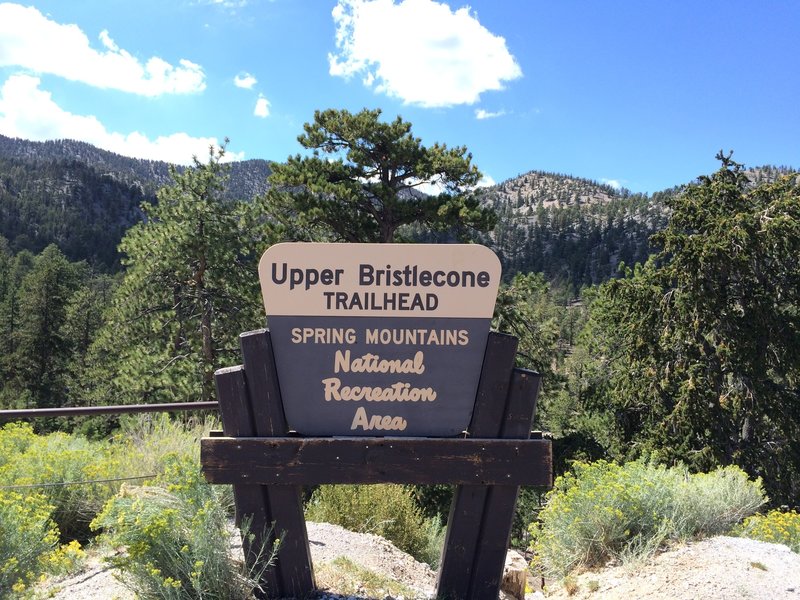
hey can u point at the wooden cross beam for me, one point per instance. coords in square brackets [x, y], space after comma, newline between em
[316, 461]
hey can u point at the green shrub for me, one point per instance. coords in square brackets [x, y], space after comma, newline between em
[29, 459]
[152, 437]
[710, 503]
[603, 510]
[141, 447]
[777, 527]
[387, 510]
[433, 532]
[176, 537]
[149, 444]
[26, 534]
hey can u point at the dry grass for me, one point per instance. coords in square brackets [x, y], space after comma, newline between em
[343, 576]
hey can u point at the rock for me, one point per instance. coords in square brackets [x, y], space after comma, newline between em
[515, 575]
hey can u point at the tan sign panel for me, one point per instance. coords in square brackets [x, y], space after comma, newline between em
[379, 339]
[379, 280]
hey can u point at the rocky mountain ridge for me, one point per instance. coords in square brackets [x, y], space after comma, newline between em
[247, 178]
[84, 198]
[552, 190]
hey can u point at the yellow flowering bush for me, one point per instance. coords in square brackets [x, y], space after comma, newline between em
[27, 537]
[36, 509]
[142, 447]
[777, 527]
[14, 440]
[65, 559]
[30, 459]
[603, 510]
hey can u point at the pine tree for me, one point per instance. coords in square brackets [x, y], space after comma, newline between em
[190, 288]
[703, 341]
[83, 320]
[361, 182]
[41, 350]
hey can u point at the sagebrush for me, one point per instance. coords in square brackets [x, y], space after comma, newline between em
[603, 510]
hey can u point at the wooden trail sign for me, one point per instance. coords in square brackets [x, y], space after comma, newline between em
[266, 462]
[379, 339]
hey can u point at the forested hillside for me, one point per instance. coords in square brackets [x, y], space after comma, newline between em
[84, 199]
[573, 230]
[689, 355]
[67, 203]
[247, 177]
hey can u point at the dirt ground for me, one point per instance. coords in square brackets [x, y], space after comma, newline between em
[720, 568]
[327, 542]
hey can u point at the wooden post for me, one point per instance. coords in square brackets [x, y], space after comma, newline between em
[252, 509]
[498, 512]
[466, 509]
[479, 525]
[250, 404]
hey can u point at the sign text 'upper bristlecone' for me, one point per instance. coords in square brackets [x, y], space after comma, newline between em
[379, 339]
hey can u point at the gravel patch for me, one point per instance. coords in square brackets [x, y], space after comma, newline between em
[97, 580]
[711, 569]
[372, 552]
[327, 542]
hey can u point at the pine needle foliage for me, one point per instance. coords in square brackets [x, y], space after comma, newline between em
[362, 182]
[702, 343]
[189, 289]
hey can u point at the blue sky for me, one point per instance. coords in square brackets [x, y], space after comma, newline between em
[637, 93]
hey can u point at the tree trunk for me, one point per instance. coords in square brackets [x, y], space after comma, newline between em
[206, 317]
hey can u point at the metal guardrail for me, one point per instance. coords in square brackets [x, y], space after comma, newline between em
[76, 411]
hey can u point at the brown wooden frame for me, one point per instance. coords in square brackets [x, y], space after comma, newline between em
[266, 466]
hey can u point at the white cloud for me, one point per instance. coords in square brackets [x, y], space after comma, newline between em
[481, 114]
[229, 3]
[419, 51]
[436, 186]
[245, 81]
[433, 187]
[28, 112]
[106, 40]
[614, 183]
[262, 107]
[32, 41]
[486, 181]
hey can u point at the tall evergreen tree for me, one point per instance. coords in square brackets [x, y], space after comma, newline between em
[8, 294]
[703, 342]
[41, 350]
[361, 182]
[190, 288]
[83, 320]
